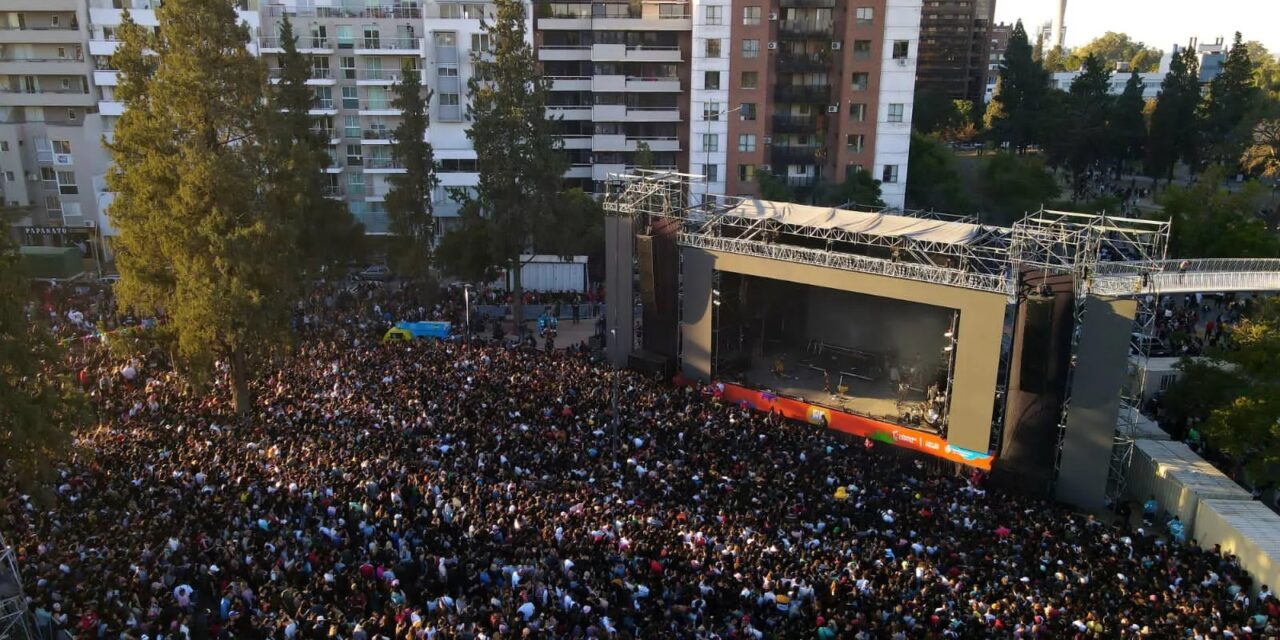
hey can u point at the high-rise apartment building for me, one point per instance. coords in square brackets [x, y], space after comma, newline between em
[50, 136]
[619, 76]
[808, 90]
[955, 43]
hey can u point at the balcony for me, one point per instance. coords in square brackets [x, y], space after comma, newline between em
[315, 77]
[802, 182]
[803, 62]
[388, 12]
[331, 191]
[323, 108]
[374, 77]
[795, 124]
[609, 113]
[570, 83]
[803, 93]
[652, 114]
[376, 135]
[553, 52]
[654, 144]
[792, 29]
[570, 112]
[609, 142]
[325, 133]
[601, 172]
[608, 83]
[578, 171]
[387, 45]
[789, 154]
[41, 66]
[388, 165]
[812, 4]
[378, 108]
[18, 97]
[576, 142]
[39, 35]
[662, 85]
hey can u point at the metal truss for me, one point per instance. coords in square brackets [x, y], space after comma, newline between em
[1002, 376]
[13, 603]
[1188, 276]
[1131, 394]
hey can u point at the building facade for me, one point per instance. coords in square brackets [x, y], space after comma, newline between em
[817, 90]
[955, 41]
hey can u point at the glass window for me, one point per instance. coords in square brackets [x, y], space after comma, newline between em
[348, 66]
[860, 80]
[714, 14]
[711, 80]
[751, 48]
[711, 111]
[446, 39]
[351, 127]
[710, 142]
[713, 47]
[895, 112]
[854, 142]
[481, 42]
[61, 146]
[350, 99]
[67, 183]
[864, 16]
[748, 111]
[355, 184]
[346, 36]
[712, 172]
[861, 49]
[751, 15]
[858, 112]
[900, 49]
[750, 80]
[747, 172]
[448, 99]
[746, 142]
[354, 157]
[890, 174]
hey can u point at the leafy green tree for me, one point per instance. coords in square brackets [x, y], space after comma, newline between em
[1127, 128]
[1232, 96]
[933, 182]
[1262, 156]
[1174, 131]
[1236, 396]
[1114, 48]
[1021, 88]
[39, 402]
[1210, 221]
[1014, 186]
[409, 202]
[1087, 136]
[774, 188]
[858, 188]
[644, 156]
[195, 237]
[518, 153]
[1059, 59]
[297, 153]
[1266, 71]
[932, 111]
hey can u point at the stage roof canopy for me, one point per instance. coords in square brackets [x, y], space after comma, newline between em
[862, 222]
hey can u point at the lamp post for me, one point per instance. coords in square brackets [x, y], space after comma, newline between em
[613, 401]
[466, 304]
[713, 117]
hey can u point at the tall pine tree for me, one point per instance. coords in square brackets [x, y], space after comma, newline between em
[1128, 129]
[196, 238]
[517, 152]
[297, 154]
[1089, 104]
[1021, 86]
[409, 203]
[1173, 133]
[1230, 97]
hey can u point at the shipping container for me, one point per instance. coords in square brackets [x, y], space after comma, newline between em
[544, 273]
[1178, 478]
[1249, 530]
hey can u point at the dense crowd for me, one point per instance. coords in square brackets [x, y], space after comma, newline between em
[440, 490]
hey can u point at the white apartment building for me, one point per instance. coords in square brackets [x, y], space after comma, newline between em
[712, 110]
[899, 54]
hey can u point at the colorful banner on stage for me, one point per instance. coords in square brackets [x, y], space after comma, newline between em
[855, 425]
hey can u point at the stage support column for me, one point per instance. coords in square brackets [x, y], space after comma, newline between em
[695, 325]
[619, 250]
[1102, 368]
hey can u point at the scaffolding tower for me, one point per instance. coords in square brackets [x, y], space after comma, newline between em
[13, 602]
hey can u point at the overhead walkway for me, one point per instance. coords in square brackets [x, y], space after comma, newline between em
[1190, 276]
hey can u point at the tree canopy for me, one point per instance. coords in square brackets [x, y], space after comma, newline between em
[1012, 116]
[1014, 186]
[1113, 48]
[1174, 130]
[933, 182]
[1210, 221]
[409, 202]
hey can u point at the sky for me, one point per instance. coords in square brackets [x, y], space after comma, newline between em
[1158, 23]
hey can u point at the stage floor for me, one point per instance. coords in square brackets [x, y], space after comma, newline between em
[876, 399]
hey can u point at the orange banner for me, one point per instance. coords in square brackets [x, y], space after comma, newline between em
[854, 424]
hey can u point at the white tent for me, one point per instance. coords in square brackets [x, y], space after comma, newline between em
[877, 224]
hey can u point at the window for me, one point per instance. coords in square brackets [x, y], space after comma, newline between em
[448, 99]
[751, 48]
[346, 36]
[890, 174]
[61, 146]
[747, 172]
[47, 174]
[746, 142]
[860, 80]
[354, 157]
[714, 15]
[350, 100]
[747, 111]
[854, 142]
[712, 172]
[481, 42]
[852, 169]
[901, 49]
[751, 16]
[713, 47]
[861, 49]
[8, 175]
[4, 145]
[710, 142]
[67, 183]
[324, 98]
[348, 66]
[858, 112]
[711, 111]
[750, 80]
[351, 127]
[446, 39]
[666, 11]
[864, 16]
[447, 72]
[895, 112]
[711, 80]
[355, 184]
[53, 204]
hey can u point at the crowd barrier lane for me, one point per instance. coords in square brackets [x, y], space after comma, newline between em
[533, 311]
[853, 424]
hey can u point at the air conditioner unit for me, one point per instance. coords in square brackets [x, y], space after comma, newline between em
[835, 108]
[773, 16]
[773, 45]
[835, 45]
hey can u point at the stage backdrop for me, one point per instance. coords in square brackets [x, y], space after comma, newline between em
[977, 355]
